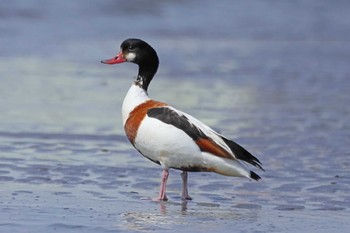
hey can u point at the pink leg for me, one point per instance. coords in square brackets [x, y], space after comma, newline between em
[185, 195]
[162, 196]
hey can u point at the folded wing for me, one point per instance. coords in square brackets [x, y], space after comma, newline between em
[206, 138]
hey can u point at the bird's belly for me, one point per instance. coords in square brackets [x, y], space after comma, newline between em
[168, 145]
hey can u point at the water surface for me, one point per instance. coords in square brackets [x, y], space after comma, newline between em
[273, 77]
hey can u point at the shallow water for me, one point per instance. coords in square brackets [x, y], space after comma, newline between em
[273, 77]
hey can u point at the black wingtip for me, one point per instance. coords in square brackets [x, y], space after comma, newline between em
[243, 154]
[254, 176]
[259, 165]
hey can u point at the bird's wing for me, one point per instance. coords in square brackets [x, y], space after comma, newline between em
[205, 137]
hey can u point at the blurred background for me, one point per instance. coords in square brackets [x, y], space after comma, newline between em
[272, 75]
[51, 78]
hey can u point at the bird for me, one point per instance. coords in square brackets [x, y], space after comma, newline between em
[172, 138]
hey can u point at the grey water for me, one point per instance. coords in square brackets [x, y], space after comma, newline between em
[272, 75]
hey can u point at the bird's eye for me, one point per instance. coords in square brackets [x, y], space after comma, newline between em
[131, 48]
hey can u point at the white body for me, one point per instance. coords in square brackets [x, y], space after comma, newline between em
[171, 146]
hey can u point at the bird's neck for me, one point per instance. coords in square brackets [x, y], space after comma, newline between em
[146, 73]
[143, 81]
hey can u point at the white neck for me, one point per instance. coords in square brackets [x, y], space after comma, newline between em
[135, 96]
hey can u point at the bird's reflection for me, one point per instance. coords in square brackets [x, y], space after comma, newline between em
[168, 214]
[164, 218]
[164, 205]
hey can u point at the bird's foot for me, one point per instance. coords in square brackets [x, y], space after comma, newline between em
[186, 197]
[164, 198]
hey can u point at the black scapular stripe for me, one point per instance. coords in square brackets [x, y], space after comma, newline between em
[171, 117]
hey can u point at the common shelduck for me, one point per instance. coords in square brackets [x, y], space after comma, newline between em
[170, 137]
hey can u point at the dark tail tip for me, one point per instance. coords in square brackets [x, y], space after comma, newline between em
[254, 176]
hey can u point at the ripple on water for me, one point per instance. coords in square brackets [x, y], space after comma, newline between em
[62, 193]
[291, 187]
[35, 180]
[23, 192]
[331, 208]
[330, 188]
[248, 206]
[145, 185]
[6, 178]
[286, 207]
[62, 226]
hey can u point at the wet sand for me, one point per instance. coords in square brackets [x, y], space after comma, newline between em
[98, 184]
[277, 84]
